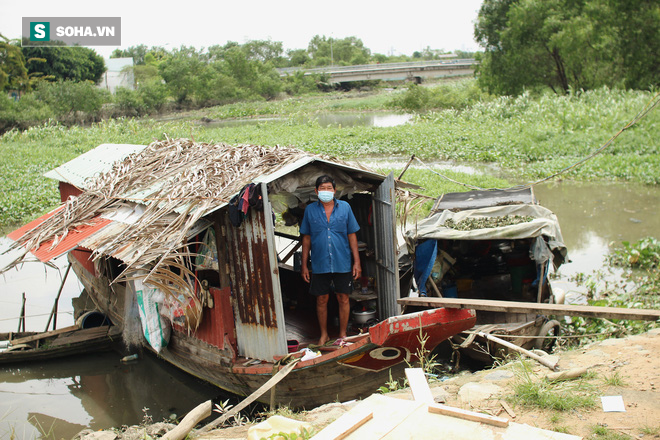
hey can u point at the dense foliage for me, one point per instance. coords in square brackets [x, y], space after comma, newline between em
[64, 63]
[568, 44]
[13, 73]
[455, 95]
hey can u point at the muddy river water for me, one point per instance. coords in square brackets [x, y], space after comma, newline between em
[98, 391]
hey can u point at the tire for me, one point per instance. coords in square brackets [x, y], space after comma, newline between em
[550, 328]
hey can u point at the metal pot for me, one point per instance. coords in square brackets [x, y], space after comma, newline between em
[363, 316]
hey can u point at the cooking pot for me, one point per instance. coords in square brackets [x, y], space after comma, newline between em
[363, 316]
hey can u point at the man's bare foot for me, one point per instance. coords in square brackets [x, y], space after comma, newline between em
[323, 340]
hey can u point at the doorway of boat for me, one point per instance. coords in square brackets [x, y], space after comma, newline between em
[373, 296]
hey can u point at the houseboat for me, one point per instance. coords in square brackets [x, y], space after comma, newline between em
[491, 245]
[182, 245]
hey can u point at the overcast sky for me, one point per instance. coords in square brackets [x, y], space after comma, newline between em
[385, 27]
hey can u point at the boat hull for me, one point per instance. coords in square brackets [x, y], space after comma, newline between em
[341, 373]
[75, 342]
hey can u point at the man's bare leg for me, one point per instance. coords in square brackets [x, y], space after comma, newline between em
[322, 313]
[344, 311]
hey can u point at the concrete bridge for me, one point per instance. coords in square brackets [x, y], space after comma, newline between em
[413, 71]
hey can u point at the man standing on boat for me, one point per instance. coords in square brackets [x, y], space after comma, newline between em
[328, 229]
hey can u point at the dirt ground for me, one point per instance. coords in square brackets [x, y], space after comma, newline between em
[633, 361]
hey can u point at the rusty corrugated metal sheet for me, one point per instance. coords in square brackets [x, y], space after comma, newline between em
[18, 233]
[257, 327]
[46, 252]
[217, 326]
[67, 190]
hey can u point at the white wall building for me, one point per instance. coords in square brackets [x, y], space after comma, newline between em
[119, 74]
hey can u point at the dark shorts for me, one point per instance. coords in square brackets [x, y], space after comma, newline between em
[325, 283]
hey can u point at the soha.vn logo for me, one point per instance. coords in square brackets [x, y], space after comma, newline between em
[39, 31]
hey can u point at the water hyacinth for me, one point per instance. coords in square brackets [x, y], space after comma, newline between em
[470, 224]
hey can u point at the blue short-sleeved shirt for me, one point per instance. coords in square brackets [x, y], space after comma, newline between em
[330, 251]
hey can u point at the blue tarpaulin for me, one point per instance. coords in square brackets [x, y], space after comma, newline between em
[425, 254]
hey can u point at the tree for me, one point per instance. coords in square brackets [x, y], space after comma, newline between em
[568, 44]
[68, 97]
[13, 72]
[185, 73]
[65, 63]
[345, 51]
[636, 24]
[265, 51]
[141, 54]
[298, 57]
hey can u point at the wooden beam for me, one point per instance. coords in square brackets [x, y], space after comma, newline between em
[251, 398]
[45, 335]
[530, 307]
[340, 432]
[468, 415]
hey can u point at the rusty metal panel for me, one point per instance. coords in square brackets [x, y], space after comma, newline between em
[259, 320]
[387, 273]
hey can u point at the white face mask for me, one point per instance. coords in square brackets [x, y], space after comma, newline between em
[326, 196]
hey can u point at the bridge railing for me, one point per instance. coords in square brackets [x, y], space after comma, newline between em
[384, 66]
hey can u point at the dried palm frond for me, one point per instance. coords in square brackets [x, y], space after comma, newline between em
[179, 182]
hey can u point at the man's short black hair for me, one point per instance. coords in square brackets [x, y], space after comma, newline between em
[325, 179]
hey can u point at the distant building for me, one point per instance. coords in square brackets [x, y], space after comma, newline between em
[119, 74]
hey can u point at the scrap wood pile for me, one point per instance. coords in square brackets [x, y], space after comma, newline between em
[175, 182]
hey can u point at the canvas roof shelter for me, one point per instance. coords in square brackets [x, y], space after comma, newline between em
[488, 204]
[142, 205]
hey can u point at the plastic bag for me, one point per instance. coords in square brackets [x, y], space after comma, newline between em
[207, 257]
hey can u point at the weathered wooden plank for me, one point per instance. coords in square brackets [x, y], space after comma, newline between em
[81, 336]
[529, 307]
[44, 335]
[350, 423]
[468, 415]
[418, 385]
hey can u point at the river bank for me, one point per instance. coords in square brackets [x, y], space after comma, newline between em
[519, 391]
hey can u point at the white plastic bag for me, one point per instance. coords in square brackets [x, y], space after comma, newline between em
[155, 327]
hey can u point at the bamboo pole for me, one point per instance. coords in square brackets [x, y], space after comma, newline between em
[536, 357]
[53, 312]
[21, 320]
[540, 290]
[406, 167]
[251, 398]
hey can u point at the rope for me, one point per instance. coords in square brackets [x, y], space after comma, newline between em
[650, 105]
[34, 316]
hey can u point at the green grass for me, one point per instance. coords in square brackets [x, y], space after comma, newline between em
[603, 433]
[527, 137]
[650, 430]
[307, 104]
[562, 396]
[614, 380]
